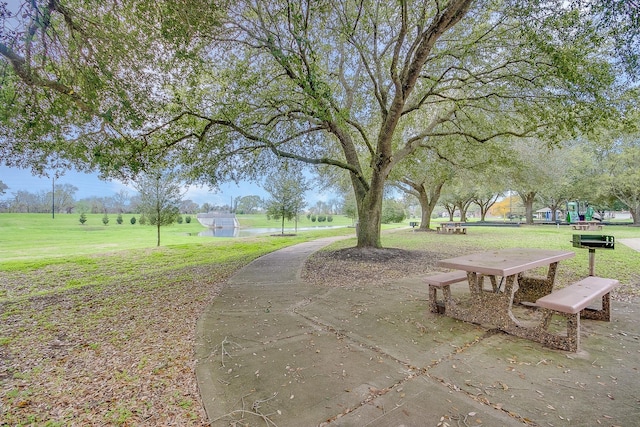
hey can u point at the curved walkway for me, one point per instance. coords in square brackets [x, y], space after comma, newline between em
[632, 243]
[274, 351]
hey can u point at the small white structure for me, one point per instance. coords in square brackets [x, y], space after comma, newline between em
[218, 220]
[545, 213]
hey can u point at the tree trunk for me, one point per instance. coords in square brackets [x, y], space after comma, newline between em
[635, 215]
[554, 211]
[427, 195]
[158, 231]
[451, 212]
[528, 200]
[485, 205]
[370, 214]
[427, 209]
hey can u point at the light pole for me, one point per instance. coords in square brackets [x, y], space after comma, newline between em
[53, 197]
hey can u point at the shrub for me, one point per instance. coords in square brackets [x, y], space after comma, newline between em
[105, 219]
[179, 219]
[119, 219]
[187, 219]
[313, 218]
[329, 218]
[322, 218]
[143, 220]
[392, 213]
[132, 220]
[83, 218]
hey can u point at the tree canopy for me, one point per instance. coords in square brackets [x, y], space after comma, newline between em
[358, 86]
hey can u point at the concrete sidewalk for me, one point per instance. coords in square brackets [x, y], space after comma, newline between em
[632, 243]
[274, 351]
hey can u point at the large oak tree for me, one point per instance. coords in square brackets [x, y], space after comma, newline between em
[354, 85]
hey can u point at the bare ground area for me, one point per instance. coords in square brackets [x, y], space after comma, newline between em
[358, 267]
[119, 355]
[123, 354]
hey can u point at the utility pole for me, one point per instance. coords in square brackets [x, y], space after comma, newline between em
[53, 197]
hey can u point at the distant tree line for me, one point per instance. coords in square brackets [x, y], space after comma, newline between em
[63, 200]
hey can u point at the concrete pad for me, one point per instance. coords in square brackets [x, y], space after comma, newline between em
[300, 381]
[391, 321]
[422, 401]
[264, 297]
[596, 386]
[272, 350]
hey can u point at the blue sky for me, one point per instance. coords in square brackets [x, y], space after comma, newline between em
[90, 185]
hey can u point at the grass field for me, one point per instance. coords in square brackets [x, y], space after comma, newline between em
[37, 236]
[97, 324]
[94, 253]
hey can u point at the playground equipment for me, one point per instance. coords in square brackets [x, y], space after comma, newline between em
[572, 212]
[580, 211]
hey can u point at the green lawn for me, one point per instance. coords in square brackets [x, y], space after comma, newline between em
[34, 240]
[37, 236]
[61, 254]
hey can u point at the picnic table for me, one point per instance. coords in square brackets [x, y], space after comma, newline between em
[587, 225]
[451, 228]
[494, 307]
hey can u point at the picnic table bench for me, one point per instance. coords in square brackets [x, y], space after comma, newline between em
[442, 281]
[572, 303]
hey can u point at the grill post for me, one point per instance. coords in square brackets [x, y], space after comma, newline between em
[593, 242]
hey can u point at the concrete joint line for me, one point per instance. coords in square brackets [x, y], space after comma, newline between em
[485, 401]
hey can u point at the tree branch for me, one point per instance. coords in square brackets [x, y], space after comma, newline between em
[27, 76]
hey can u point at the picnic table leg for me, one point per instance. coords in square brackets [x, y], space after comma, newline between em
[496, 309]
[476, 281]
[568, 342]
[433, 303]
[446, 305]
[604, 314]
[494, 283]
[541, 334]
[532, 288]
[487, 307]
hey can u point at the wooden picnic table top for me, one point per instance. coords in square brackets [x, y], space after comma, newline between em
[505, 262]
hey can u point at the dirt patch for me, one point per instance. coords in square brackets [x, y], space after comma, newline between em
[120, 354]
[358, 267]
[374, 255]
